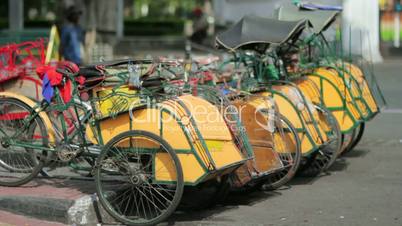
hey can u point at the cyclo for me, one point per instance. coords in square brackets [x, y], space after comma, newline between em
[141, 165]
[352, 97]
[273, 153]
[255, 42]
[18, 63]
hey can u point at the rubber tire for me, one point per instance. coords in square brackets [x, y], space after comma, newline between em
[356, 139]
[295, 167]
[307, 170]
[346, 144]
[44, 134]
[180, 179]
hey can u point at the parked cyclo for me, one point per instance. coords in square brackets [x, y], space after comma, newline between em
[254, 42]
[146, 146]
[352, 97]
[268, 140]
[273, 156]
[18, 63]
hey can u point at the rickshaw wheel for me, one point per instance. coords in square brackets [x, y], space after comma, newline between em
[347, 140]
[291, 163]
[19, 165]
[356, 138]
[322, 159]
[139, 179]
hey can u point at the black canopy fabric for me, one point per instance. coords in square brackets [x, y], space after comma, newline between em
[320, 19]
[258, 30]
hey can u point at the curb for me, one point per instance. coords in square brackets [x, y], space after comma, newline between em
[88, 211]
[84, 211]
[37, 207]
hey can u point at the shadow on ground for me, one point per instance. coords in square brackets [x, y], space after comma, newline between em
[357, 153]
[85, 185]
[233, 201]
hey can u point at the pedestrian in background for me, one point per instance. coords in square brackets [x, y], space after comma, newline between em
[72, 36]
[200, 26]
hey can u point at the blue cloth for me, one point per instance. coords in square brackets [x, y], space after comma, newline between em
[225, 91]
[47, 89]
[71, 37]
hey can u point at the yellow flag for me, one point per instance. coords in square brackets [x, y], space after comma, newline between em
[52, 52]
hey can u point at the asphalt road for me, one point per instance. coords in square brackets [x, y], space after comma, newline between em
[363, 188]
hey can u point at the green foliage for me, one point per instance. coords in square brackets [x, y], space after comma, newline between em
[388, 34]
[147, 27]
[38, 23]
[3, 23]
[3, 10]
[162, 9]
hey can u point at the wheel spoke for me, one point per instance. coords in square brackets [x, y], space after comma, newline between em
[126, 163]
[19, 164]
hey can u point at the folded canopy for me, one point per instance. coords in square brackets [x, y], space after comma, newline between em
[320, 19]
[253, 30]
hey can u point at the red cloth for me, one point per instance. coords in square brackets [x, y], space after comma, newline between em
[55, 79]
[65, 92]
[41, 70]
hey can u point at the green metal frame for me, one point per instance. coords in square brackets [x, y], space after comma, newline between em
[319, 41]
[91, 117]
[261, 72]
[344, 105]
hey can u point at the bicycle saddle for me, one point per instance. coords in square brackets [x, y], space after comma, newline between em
[252, 32]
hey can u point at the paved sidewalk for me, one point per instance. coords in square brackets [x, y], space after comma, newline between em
[47, 199]
[10, 219]
[67, 189]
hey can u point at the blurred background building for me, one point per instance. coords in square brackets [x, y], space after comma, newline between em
[124, 27]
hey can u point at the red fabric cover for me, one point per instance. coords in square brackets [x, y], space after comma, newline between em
[56, 79]
[41, 70]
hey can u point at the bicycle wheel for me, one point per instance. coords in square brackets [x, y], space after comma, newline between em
[347, 140]
[139, 179]
[322, 159]
[287, 144]
[356, 138]
[19, 165]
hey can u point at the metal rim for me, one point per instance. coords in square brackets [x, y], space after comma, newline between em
[126, 181]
